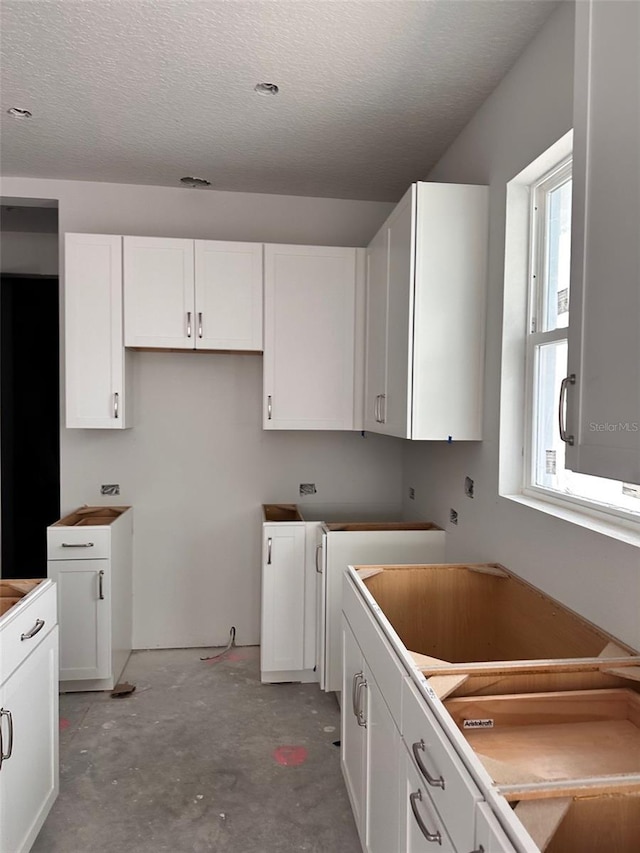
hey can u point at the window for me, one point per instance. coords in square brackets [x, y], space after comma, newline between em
[549, 314]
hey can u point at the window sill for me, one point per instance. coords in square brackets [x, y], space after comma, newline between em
[623, 531]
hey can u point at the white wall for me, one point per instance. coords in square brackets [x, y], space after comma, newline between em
[197, 466]
[28, 253]
[594, 574]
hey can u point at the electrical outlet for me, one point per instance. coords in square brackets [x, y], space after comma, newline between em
[110, 489]
[453, 516]
[412, 493]
[307, 489]
[468, 487]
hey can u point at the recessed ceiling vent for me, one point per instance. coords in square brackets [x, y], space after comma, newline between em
[18, 112]
[190, 181]
[266, 89]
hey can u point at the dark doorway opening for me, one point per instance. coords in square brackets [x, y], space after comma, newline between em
[29, 421]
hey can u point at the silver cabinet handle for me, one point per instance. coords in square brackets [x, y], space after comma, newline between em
[421, 747]
[383, 408]
[430, 836]
[4, 755]
[269, 408]
[199, 324]
[100, 585]
[116, 405]
[188, 324]
[377, 409]
[269, 542]
[354, 688]
[362, 685]
[562, 409]
[318, 564]
[77, 544]
[35, 630]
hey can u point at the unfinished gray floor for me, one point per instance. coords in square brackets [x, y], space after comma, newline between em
[200, 758]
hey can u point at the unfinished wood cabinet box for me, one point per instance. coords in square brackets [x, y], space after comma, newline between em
[13, 591]
[548, 702]
[477, 629]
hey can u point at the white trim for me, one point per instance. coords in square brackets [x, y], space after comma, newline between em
[598, 522]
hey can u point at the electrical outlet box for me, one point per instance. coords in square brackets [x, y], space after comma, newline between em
[412, 493]
[468, 487]
[110, 489]
[307, 489]
[453, 516]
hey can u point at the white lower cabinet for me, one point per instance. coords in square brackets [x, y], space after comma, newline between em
[28, 718]
[353, 741]
[90, 558]
[370, 750]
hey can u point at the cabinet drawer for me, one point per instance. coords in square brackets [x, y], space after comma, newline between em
[23, 619]
[451, 789]
[377, 650]
[78, 543]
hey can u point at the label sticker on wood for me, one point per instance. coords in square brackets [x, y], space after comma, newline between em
[477, 724]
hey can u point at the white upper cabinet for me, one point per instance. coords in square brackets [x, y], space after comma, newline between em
[603, 415]
[228, 295]
[186, 294]
[426, 293]
[159, 309]
[310, 340]
[97, 367]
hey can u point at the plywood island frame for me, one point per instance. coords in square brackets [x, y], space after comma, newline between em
[548, 702]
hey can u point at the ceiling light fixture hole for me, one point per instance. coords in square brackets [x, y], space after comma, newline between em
[191, 181]
[18, 112]
[266, 89]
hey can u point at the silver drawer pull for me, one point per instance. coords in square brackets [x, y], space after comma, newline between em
[199, 324]
[420, 747]
[362, 720]
[116, 405]
[430, 836]
[562, 409]
[100, 582]
[77, 544]
[318, 552]
[35, 630]
[4, 755]
[188, 324]
[354, 688]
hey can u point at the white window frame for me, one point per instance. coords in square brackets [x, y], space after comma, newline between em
[516, 463]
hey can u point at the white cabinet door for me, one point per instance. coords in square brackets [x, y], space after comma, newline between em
[353, 744]
[383, 773]
[604, 333]
[228, 282]
[283, 567]
[309, 337]
[29, 776]
[95, 359]
[83, 617]
[159, 310]
[397, 403]
[376, 331]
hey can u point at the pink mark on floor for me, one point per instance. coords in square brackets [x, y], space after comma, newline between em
[64, 723]
[290, 756]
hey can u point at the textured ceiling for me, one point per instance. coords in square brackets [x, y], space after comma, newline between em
[146, 91]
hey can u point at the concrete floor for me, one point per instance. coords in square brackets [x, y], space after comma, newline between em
[202, 757]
